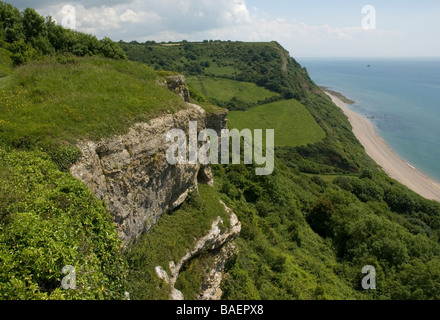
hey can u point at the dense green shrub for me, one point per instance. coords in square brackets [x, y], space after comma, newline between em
[29, 36]
[51, 220]
[320, 217]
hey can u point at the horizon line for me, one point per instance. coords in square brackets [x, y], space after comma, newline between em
[376, 57]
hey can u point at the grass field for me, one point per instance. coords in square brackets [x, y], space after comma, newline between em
[292, 122]
[225, 89]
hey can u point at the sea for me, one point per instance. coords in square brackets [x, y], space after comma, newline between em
[401, 97]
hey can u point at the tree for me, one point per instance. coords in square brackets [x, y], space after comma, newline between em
[111, 50]
[10, 18]
[33, 25]
[320, 217]
[399, 200]
[22, 52]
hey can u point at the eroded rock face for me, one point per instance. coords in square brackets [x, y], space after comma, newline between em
[177, 84]
[131, 175]
[210, 289]
[214, 240]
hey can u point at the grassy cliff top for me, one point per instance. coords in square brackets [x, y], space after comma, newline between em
[60, 100]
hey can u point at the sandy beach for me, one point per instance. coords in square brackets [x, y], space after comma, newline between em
[391, 163]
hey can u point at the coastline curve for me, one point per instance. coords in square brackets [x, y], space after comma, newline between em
[396, 167]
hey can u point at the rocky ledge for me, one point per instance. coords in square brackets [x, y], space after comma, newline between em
[131, 175]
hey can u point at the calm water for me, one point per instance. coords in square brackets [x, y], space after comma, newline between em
[400, 96]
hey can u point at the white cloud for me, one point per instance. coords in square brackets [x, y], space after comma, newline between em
[151, 17]
[237, 13]
[130, 16]
[42, 4]
[172, 20]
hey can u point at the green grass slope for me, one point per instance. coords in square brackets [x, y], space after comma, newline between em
[266, 64]
[226, 89]
[51, 104]
[291, 121]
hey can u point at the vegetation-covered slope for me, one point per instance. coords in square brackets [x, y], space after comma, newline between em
[52, 103]
[307, 230]
[168, 241]
[328, 210]
[49, 220]
[265, 64]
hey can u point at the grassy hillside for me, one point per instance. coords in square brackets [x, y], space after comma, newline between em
[266, 64]
[328, 210]
[291, 121]
[223, 89]
[51, 104]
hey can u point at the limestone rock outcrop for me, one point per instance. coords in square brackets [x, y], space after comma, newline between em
[177, 84]
[130, 173]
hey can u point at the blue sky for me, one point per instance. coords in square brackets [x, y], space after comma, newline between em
[312, 28]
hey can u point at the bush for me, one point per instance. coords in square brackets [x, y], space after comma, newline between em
[52, 220]
[365, 189]
[400, 200]
[30, 36]
[320, 216]
[110, 49]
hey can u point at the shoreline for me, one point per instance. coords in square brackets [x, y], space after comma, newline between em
[338, 95]
[396, 167]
